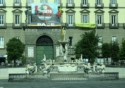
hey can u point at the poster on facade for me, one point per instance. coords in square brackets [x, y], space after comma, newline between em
[45, 14]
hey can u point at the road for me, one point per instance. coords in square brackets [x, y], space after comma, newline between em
[63, 84]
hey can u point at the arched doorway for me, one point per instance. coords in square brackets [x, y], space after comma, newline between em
[44, 46]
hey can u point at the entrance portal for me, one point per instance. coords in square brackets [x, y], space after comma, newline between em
[44, 47]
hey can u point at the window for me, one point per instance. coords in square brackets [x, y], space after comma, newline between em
[113, 19]
[17, 2]
[29, 2]
[114, 39]
[113, 4]
[30, 51]
[1, 2]
[84, 2]
[29, 19]
[1, 19]
[70, 19]
[85, 19]
[113, 1]
[1, 42]
[57, 1]
[99, 19]
[99, 2]
[70, 40]
[44, 1]
[17, 19]
[100, 42]
[100, 38]
[70, 1]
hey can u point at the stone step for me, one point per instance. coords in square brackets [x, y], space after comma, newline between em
[37, 76]
[69, 79]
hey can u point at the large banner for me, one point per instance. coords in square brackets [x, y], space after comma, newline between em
[45, 14]
[85, 25]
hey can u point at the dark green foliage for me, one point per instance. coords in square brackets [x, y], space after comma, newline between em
[15, 49]
[106, 50]
[87, 46]
[23, 58]
[115, 51]
[111, 50]
[122, 51]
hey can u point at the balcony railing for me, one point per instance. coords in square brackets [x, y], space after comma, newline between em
[2, 5]
[84, 5]
[17, 5]
[99, 5]
[70, 25]
[70, 5]
[114, 26]
[60, 5]
[17, 26]
[124, 25]
[3, 26]
[113, 5]
[100, 26]
[28, 5]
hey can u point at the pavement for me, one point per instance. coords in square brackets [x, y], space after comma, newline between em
[40, 83]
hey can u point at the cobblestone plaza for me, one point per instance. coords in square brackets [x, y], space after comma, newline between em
[63, 84]
[16, 20]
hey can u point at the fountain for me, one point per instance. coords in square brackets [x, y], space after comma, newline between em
[63, 48]
[63, 67]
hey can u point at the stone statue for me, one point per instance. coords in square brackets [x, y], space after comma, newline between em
[81, 58]
[61, 50]
[63, 34]
[65, 57]
[44, 58]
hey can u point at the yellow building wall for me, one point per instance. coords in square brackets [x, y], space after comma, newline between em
[121, 16]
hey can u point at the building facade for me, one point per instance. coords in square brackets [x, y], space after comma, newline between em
[16, 17]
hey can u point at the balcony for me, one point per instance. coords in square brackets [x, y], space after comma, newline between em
[3, 26]
[70, 25]
[124, 25]
[99, 5]
[60, 5]
[70, 5]
[28, 5]
[99, 45]
[2, 5]
[17, 26]
[114, 26]
[84, 5]
[17, 5]
[100, 26]
[113, 6]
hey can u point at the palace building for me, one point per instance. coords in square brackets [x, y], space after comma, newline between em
[39, 24]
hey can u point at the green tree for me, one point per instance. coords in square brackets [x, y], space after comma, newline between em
[106, 50]
[87, 46]
[15, 49]
[115, 51]
[122, 50]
